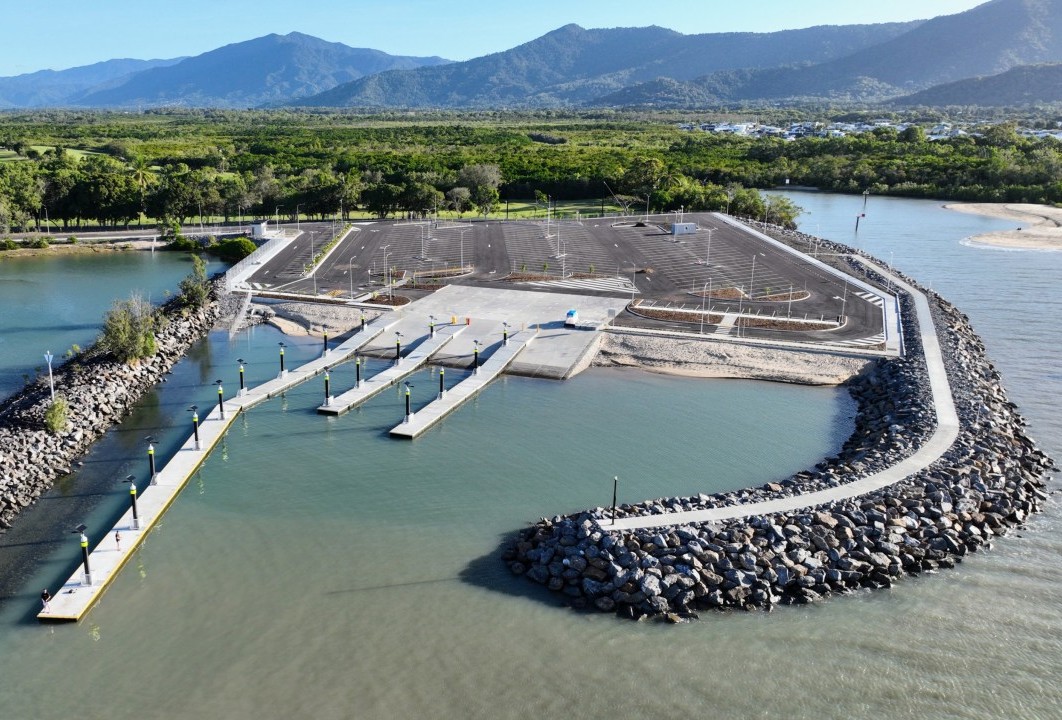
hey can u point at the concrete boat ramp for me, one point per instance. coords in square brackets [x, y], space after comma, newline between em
[449, 400]
[383, 380]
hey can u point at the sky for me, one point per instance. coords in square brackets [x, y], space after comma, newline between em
[58, 34]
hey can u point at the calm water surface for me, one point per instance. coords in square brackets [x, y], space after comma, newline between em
[316, 568]
[50, 303]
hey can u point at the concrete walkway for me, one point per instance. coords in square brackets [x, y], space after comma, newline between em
[379, 382]
[938, 443]
[118, 545]
[437, 409]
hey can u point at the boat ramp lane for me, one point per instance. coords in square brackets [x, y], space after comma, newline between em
[379, 382]
[451, 399]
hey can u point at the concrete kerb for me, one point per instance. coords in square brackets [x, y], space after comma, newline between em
[942, 438]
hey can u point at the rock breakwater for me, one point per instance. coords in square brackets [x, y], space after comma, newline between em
[99, 392]
[989, 481]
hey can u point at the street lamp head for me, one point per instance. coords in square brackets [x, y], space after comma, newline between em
[218, 383]
[240, 360]
[281, 344]
[80, 529]
[129, 479]
[48, 356]
[193, 408]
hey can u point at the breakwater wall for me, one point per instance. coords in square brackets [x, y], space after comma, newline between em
[989, 481]
[99, 392]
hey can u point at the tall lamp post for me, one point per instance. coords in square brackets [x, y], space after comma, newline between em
[242, 388]
[51, 382]
[475, 357]
[398, 347]
[282, 370]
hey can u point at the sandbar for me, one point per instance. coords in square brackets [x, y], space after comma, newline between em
[1039, 226]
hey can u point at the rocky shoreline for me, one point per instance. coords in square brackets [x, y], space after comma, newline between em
[989, 482]
[99, 391]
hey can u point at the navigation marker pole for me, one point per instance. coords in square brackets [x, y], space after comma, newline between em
[615, 487]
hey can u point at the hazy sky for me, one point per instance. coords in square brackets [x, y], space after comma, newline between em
[59, 34]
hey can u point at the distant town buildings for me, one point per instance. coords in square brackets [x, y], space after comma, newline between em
[795, 131]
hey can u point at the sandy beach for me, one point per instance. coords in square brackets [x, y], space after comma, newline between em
[1037, 227]
[699, 358]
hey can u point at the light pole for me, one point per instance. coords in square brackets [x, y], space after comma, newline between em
[505, 333]
[708, 254]
[242, 389]
[80, 530]
[398, 347]
[282, 370]
[132, 500]
[408, 413]
[475, 357]
[51, 381]
[194, 409]
[463, 249]
[703, 296]
[350, 271]
[151, 458]
[752, 279]
[431, 325]
[297, 218]
[221, 399]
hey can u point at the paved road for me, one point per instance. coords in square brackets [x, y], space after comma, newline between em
[943, 437]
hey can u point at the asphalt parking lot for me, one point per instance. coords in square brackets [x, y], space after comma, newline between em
[722, 267]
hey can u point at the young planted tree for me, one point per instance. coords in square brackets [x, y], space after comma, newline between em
[195, 288]
[129, 329]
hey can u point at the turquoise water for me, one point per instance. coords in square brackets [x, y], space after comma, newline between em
[50, 303]
[316, 568]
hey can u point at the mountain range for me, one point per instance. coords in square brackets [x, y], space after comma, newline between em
[902, 63]
[266, 70]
